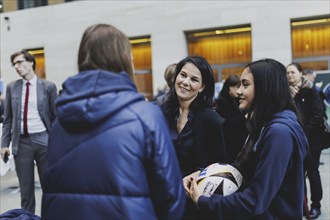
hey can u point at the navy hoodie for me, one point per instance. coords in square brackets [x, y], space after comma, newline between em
[110, 154]
[276, 189]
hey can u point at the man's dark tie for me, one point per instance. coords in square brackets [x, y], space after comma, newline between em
[25, 113]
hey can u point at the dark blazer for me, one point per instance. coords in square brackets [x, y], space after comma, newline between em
[46, 95]
[208, 144]
[234, 127]
[209, 141]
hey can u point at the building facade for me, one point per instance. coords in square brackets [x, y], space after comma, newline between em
[57, 29]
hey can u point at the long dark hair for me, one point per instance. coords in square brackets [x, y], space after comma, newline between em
[105, 47]
[272, 93]
[232, 80]
[204, 99]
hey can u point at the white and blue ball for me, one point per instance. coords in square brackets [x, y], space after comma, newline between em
[218, 178]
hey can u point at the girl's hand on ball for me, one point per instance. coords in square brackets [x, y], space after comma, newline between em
[187, 181]
[194, 194]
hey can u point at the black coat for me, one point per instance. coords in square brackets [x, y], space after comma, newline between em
[310, 107]
[208, 147]
[209, 141]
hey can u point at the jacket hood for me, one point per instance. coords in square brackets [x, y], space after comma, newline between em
[92, 96]
[289, 118]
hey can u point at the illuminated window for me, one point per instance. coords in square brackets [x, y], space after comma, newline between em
[141, 50]
[39, 55]
[311, 42]
[227, 49]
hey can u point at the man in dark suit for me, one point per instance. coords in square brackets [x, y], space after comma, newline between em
[28, 116]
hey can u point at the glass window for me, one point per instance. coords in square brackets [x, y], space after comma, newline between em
[227, 49]
[141, 50]
[22, 4]
[310, 42]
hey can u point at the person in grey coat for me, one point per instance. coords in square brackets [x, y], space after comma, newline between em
[28, 117]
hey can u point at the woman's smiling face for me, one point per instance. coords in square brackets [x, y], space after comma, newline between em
[188, 82]
[293, 74]
[246, 90]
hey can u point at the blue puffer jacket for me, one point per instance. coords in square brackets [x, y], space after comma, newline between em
[110, 154]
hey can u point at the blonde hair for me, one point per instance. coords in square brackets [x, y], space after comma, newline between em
[169, 74]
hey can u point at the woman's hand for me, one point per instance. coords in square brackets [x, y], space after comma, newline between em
[294, 90]
[187, 180]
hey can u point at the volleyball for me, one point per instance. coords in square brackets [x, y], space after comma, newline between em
[218, 178]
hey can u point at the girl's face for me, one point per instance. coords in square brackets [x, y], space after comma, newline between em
[188, 83]
[246, 90]
[293, 74]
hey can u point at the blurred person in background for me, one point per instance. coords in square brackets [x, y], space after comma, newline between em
[310, 107]
[234, 127]
[110, 151]
[169, 77]
[310, 75]
[196, 129]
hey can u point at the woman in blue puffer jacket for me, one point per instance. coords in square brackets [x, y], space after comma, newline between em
[110, 153]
